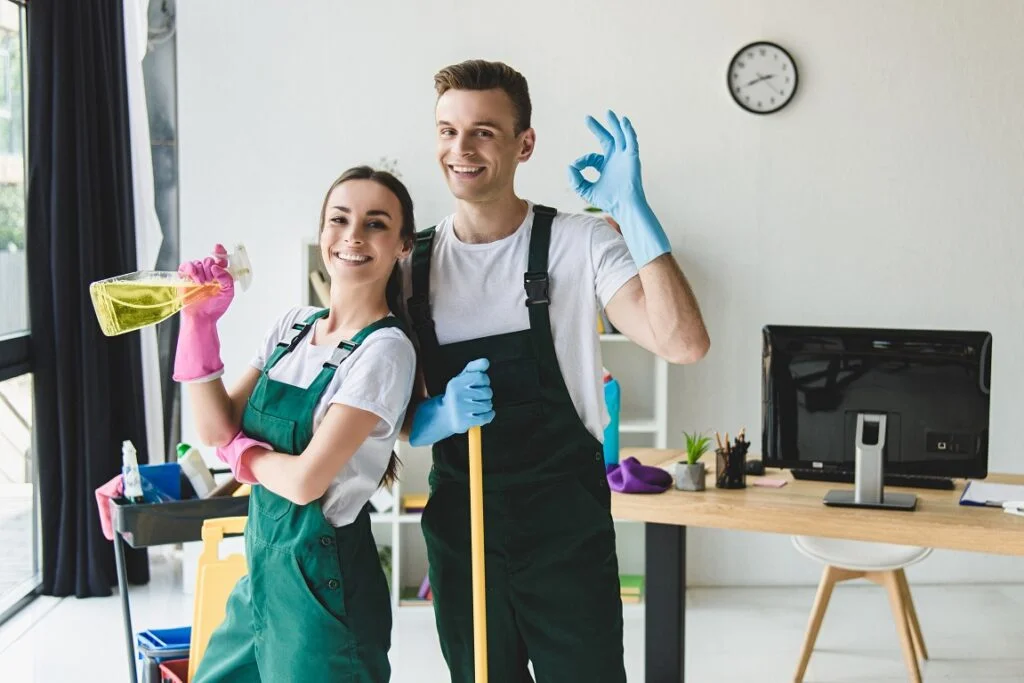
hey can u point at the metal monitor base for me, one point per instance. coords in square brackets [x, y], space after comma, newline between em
[889, 501]
[869, 471]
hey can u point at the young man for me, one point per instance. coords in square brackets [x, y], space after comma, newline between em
[503, 304]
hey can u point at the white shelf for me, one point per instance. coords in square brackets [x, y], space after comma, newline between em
[409, 518]
[391, 518]
[639, 427]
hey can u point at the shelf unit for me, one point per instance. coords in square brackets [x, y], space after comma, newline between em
[643, 421]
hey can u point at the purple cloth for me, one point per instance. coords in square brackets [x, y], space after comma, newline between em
[629, 476]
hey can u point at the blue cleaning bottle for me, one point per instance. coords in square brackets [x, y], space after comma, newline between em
[612, 398]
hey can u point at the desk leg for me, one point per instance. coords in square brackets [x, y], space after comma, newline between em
[665, 609]
[122, 587]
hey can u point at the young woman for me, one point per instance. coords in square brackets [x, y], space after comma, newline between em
[311, 425]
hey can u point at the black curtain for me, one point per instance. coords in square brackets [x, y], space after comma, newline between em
[88, 387]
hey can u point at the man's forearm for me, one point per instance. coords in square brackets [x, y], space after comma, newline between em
[410, 414]
[673, 312]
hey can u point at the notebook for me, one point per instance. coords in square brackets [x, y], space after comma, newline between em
[992, 495]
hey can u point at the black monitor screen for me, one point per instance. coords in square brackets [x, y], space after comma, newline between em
[933, 387]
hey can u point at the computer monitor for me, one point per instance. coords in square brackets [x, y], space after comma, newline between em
[822, 387]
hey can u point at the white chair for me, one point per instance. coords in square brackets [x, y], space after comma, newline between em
[881, 563]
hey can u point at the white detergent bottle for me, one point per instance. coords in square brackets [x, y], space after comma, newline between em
[195, 468]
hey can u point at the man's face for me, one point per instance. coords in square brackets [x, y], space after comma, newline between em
[476, 143]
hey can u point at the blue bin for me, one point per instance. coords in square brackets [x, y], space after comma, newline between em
[166, 477]
[159, 644]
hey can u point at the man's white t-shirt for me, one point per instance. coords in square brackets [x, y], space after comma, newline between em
[476, 290]
[377, 377]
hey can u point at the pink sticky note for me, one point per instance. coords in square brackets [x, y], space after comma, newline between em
[769, 483]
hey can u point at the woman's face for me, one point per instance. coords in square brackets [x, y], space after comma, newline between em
[361, 240]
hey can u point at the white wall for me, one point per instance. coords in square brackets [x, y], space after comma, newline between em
[887, 194]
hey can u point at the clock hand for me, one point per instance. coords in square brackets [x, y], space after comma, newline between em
[765, 79]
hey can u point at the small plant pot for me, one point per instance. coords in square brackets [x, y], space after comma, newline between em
[690, 477]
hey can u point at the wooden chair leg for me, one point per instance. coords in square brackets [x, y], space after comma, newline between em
[899, 613]
[828, 581]
[915, 626]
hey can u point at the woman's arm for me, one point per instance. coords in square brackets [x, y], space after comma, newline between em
[305, 478]
[218, 412]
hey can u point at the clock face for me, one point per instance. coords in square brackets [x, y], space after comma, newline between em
[762, 78]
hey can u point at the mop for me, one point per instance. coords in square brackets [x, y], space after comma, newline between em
[476, 517]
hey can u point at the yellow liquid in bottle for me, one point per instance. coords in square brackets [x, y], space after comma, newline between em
[127, 305]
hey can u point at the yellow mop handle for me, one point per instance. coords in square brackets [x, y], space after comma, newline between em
[476, 517]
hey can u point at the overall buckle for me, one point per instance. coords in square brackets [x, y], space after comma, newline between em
[294, 334]
[536, 284]
[340, 353]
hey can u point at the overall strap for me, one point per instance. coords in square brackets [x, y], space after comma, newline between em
[418, 304]
[538, 295]
[295, 335]
[347, 346]
[345, 349]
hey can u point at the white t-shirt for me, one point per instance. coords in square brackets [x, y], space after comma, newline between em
[476, 290]
[377, 377]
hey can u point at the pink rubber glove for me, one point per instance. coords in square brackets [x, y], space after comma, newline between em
[112, 489]
[198, 354]
[235, 456]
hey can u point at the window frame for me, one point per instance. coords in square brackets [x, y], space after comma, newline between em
[16, 353]
[15, 356]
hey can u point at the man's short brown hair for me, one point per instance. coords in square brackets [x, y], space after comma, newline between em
[478, 74]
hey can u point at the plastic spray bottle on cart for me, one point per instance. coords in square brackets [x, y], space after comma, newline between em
[612, 398]
[146, 297]
[130, 473]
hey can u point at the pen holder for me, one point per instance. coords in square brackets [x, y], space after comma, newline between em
[729, 468]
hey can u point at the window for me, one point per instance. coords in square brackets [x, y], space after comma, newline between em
[19, 528]
[13, 272]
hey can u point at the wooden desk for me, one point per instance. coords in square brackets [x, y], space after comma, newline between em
[938, 522]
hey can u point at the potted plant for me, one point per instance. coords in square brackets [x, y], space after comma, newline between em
[690, 475]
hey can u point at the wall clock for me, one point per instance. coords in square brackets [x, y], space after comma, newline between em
[762, 77]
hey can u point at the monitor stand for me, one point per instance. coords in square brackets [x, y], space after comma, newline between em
[868, 478]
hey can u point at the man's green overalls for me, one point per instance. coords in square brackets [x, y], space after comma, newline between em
[551, 570]
[315, 604]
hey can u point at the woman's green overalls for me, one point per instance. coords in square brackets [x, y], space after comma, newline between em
[315, 605]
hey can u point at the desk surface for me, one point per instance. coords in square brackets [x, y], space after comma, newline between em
[938, 522]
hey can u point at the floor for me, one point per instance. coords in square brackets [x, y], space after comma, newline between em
[15, 535]
[973, 634]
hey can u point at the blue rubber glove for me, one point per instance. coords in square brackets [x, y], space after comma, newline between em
[465, 403]
[619, 190]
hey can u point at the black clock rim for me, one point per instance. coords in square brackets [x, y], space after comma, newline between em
[796, 77]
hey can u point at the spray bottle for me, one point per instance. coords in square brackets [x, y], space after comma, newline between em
[130, 473]
[146, 297]
[612, 398]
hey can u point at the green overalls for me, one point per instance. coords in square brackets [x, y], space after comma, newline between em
[551, 569]
[315, 604]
